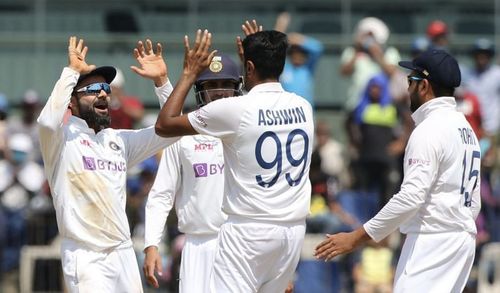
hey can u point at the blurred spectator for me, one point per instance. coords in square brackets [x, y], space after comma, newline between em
[139, 182]
[41, 217]
[377, 140]
[438, 34]
[468, 104]
[374, 272]
[331, 153]
[419, 45]
[482, 80]
[26, 122]
[20, 179]
[4, 112]
[124, 110]
[302, 57]
[326, 216]
[367, 57]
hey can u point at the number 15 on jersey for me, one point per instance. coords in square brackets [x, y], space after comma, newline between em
[469, 180]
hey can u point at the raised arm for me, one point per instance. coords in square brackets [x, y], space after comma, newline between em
[248, 28]
[153, 66]
[170, 122]
[52, 114]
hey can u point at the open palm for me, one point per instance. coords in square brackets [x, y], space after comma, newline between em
[77, 52]
[152, 65]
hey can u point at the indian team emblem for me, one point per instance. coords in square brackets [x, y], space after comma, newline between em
[216, 64]
[114, 146]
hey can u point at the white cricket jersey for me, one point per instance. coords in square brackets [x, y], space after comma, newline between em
[191, 175]
[267, 136]
[87, 171]
[440, 189]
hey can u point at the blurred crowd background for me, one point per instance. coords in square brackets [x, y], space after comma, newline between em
[343, 59]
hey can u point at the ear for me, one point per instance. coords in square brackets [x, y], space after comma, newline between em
[250, 67]
[73, 105]
[426, 89]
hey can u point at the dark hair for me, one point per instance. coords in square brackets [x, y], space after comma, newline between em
[267, 51]
[441, 91]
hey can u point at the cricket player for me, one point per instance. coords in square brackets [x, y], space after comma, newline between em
[267, 137]
[86, 165]
[191, 175]
[439, 198]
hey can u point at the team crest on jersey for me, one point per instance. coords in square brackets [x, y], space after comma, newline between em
[114, 146]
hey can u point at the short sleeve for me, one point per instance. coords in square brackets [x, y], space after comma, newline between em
[220, 118]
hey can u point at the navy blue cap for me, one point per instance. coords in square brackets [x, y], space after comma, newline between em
[108, 72]
[221, 67]
[437, 66]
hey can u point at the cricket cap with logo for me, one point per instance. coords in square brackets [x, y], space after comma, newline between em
[108, 72]
[437, 66]
[221, 67]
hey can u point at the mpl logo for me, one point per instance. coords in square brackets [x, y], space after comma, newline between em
[204, 169]
[203, 147]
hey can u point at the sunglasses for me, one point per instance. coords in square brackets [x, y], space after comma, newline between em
[414, 78]
[95, 88]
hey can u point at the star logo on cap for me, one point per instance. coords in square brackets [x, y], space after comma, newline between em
[216, 64]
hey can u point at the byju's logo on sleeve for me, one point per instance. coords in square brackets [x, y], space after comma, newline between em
[204, 169]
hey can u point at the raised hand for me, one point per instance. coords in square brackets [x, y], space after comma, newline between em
[251, 27]
[152, 65]
[248, 29]
[198, 58]
[76, 56]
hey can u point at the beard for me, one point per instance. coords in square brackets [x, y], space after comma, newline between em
[93, 119]
[415, 102]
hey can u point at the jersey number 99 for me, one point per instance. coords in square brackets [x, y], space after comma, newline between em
[277, 162]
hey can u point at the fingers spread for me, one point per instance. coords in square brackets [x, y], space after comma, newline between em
[159, 49]
[140, 49]
[149, 47]
[197, 40]
[80, 45]
[84, 51]
[186, 44]
[72, 41]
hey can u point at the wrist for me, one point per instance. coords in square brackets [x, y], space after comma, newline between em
[361, 236]
[160, 81]
[189, 77]
[151, 248]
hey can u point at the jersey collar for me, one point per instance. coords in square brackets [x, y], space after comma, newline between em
[267, 87]
[433, 105]
[80, 124]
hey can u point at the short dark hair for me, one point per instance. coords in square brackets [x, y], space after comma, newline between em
[441, 91]
[267, 51]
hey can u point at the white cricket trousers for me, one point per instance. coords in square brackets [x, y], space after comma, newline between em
[435, 263]
[256, 257]
[114, 270]
[197, 261]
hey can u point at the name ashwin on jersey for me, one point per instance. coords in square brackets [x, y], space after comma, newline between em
[282, 116]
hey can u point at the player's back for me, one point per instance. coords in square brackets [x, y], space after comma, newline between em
[268, 157]
[454, 194]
